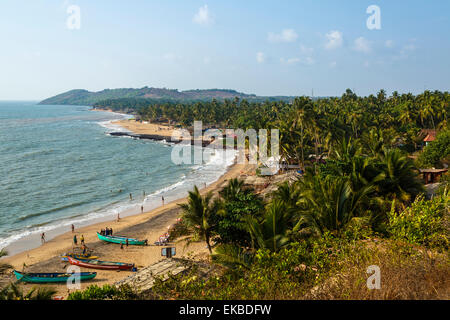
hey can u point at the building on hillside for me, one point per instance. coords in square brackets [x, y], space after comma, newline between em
[429, 135]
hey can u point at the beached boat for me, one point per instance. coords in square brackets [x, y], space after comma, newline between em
[121, 239]
[77, 256]
[52, 277]
[97, 264]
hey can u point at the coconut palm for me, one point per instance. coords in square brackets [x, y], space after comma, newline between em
[400, 177]
[329, 203]
[14, 292]
[198, 214]
[346, 149]
[287, 193]
[233, 187]
[272, 231]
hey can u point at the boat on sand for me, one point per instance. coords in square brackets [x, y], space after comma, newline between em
[103, 265]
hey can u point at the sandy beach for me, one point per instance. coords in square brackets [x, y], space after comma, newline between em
[145, 127]
[148, 225]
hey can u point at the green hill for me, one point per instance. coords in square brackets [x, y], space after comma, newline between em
[84, 97]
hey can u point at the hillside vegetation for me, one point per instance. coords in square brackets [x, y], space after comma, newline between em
[84, 97]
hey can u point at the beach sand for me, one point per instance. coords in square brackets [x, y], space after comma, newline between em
[145, 127]
[148, 225]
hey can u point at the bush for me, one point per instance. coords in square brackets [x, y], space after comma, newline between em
[437, 151]
[424, 222]
[107, 292]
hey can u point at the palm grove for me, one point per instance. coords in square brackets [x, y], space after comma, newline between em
[367, 188]
[364, 205]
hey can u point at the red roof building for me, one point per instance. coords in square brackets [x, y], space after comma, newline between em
[430, 135]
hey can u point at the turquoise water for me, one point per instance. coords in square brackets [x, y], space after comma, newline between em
[59, 166]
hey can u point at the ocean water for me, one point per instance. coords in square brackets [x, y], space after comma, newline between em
[59, 165]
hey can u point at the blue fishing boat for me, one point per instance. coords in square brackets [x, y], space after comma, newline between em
[52, 277]
[121, 240]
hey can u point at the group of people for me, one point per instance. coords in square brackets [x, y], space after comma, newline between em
[106, 232]
[75, 241]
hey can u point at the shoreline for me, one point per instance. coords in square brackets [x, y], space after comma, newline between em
[148, 225]
[30, 239]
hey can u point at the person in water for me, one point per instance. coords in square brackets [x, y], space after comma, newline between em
[43, 237]
[162, 198]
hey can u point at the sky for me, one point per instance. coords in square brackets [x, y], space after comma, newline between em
[303, 47]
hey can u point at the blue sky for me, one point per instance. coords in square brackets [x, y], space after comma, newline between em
[261, 47]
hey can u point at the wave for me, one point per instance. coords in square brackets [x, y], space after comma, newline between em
[42, 213]
[215, 165]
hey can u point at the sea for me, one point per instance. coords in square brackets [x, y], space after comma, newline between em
[60, 166]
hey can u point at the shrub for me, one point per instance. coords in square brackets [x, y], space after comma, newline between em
[437, 151]
[424, 222]
[107, 292]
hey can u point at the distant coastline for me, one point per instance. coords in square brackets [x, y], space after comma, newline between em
[160, 95]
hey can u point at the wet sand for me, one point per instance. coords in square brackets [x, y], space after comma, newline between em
[148, 225]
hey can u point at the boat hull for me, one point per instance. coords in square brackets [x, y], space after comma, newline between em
[102, 265]
[121, 240]
[77, 256]
[53, 277]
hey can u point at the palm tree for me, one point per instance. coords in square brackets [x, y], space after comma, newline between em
[233, 187]
[346, 150]
[273, 230]
[286, 193]
[198, 213]
[13, 292]
[329, 203]
[400, 177]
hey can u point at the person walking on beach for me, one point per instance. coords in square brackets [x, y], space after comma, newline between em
[82, 240]
[118, 217]
[73, 228]
[142, 209]
[75, 242]
[126, 242]
[43, 238]
[162, 198]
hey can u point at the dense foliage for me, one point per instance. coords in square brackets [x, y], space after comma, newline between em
[358, 186]
[424, 222]
[107, 292]
[437, 151]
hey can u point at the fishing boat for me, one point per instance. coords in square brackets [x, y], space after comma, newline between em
[121, 239]
[97, 264]
[77, 256]
[52, 277]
